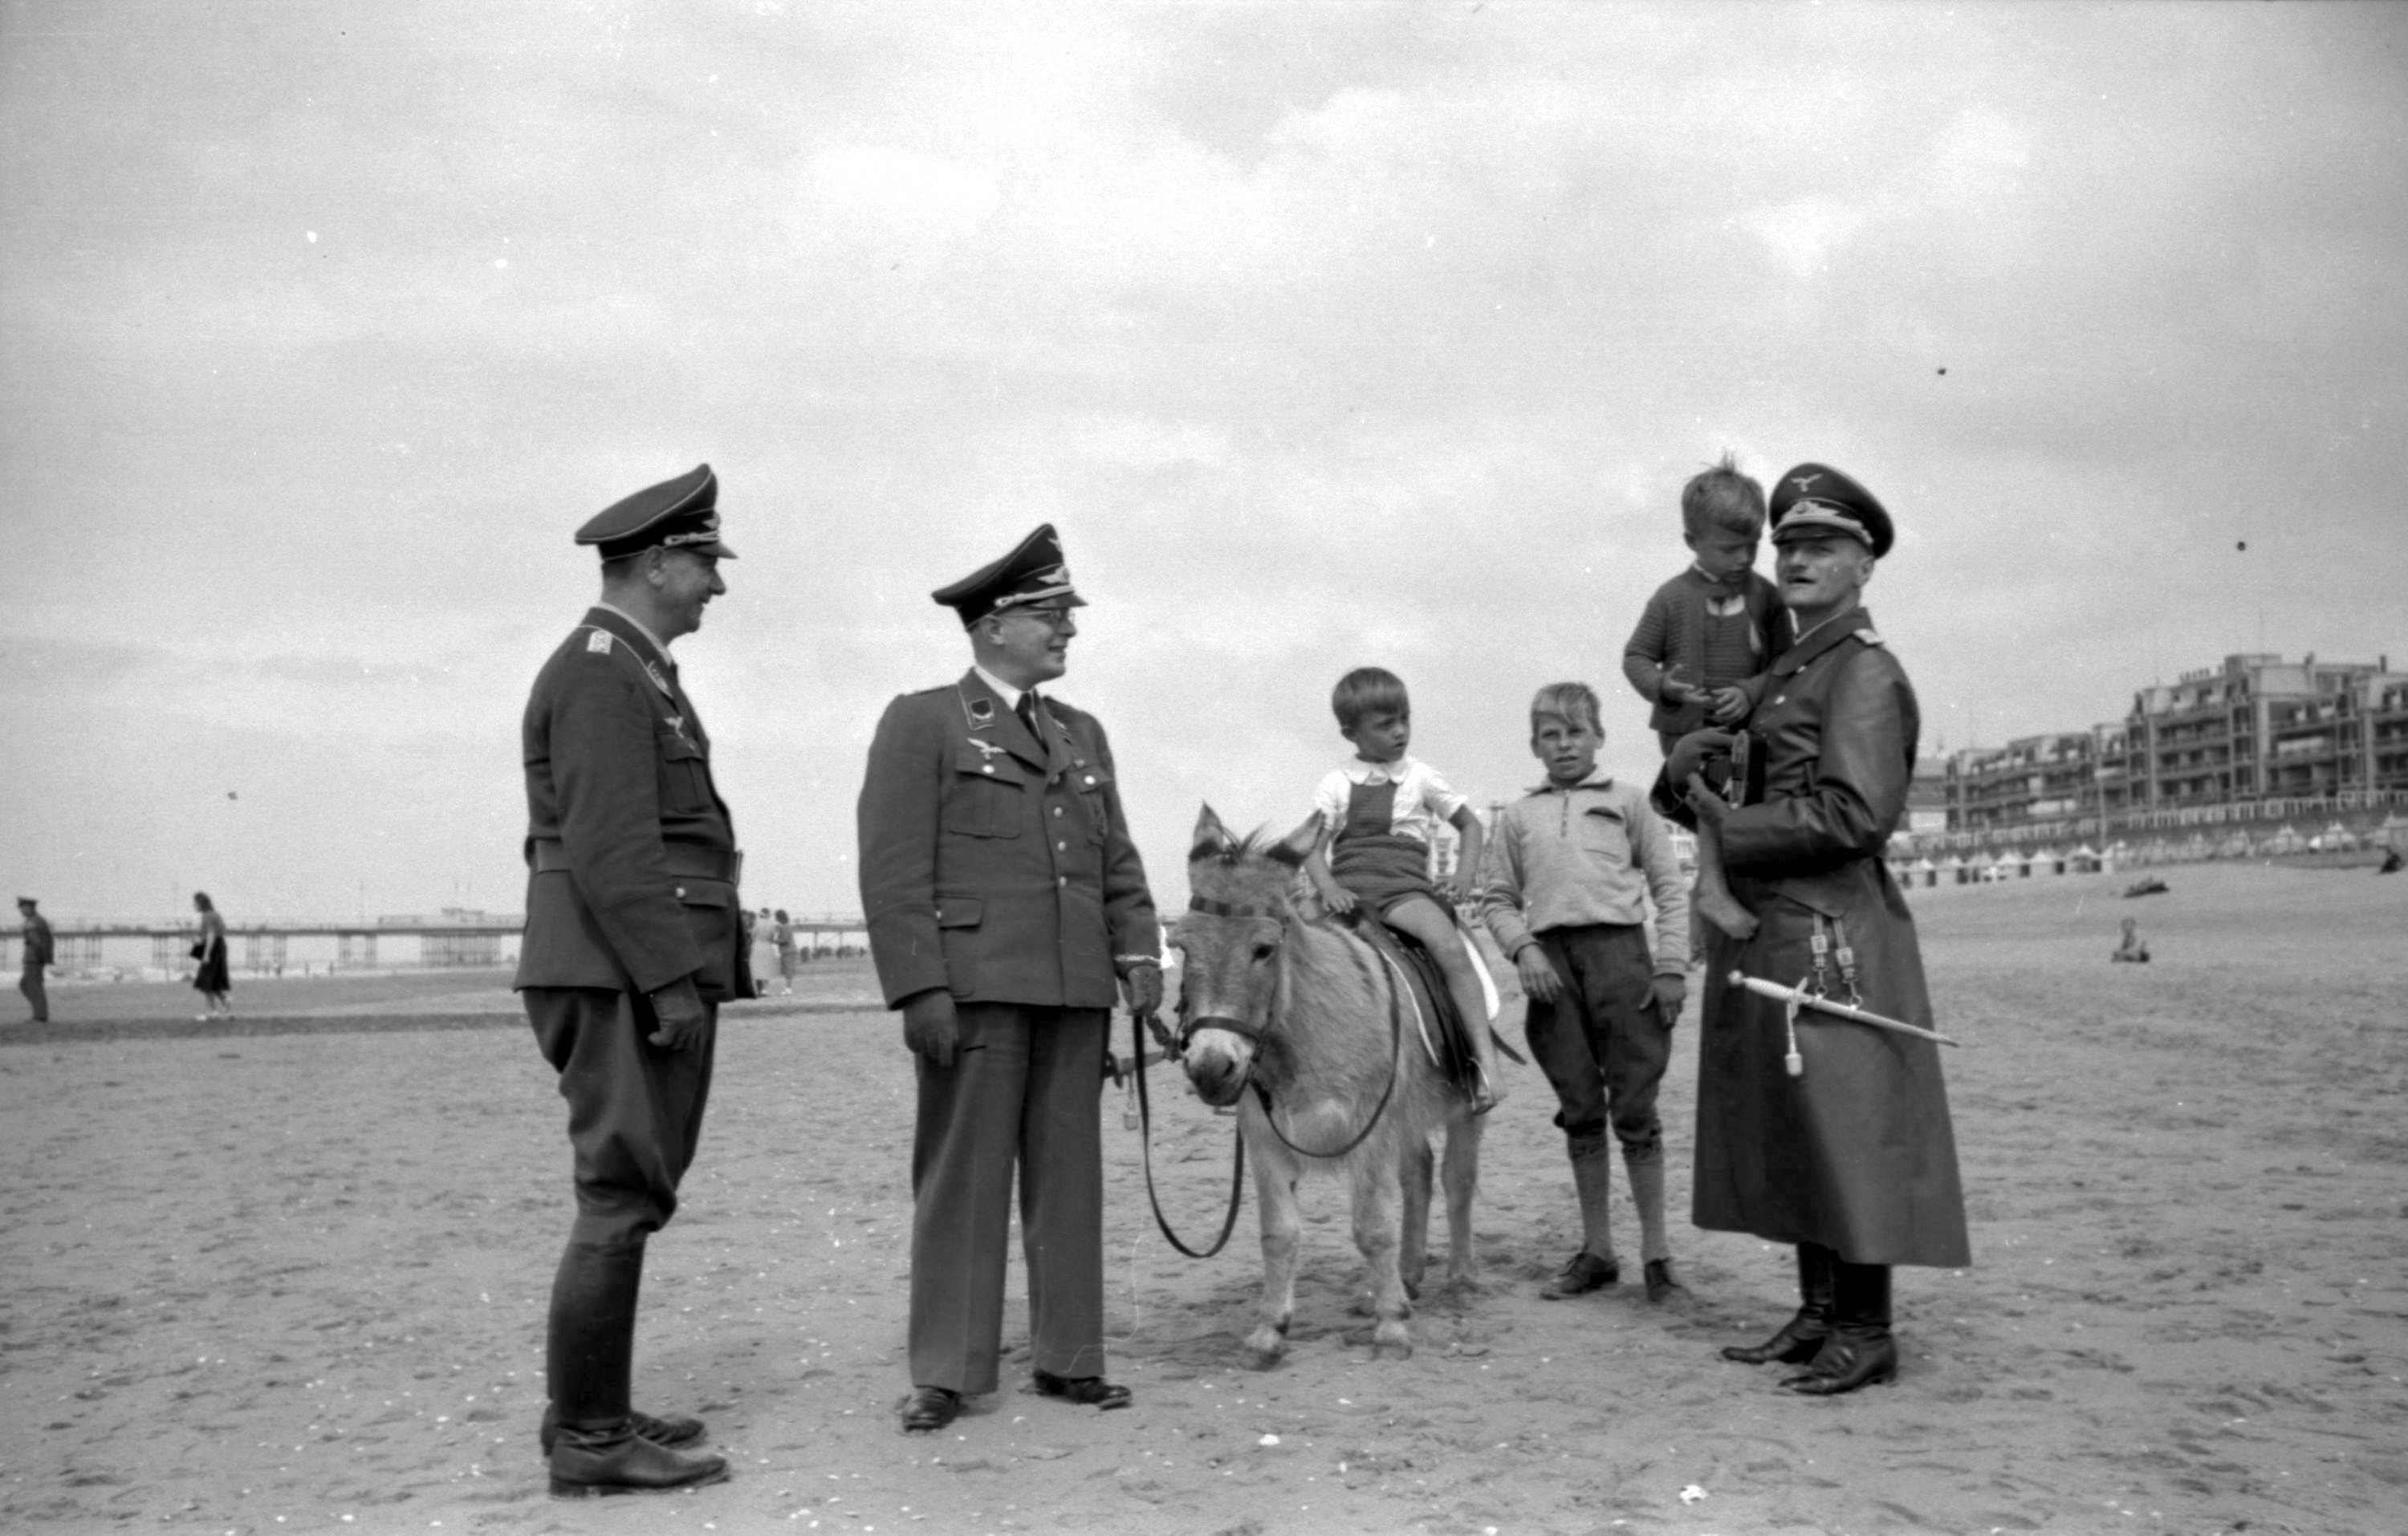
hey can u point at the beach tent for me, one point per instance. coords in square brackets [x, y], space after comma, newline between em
[2338, 839]
[1956, 869]
[2286, 840]
[2084, 860]
[1925, 872]
[2048, 861]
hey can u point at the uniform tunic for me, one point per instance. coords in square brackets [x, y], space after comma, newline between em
[1858, 1154]
[998, 867]
[632, 857]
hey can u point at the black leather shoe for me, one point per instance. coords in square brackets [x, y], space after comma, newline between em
[1086, 1391]
[1661, 1280]
[1583, 1273]
[930, 1408]
[1797, 1341]
[674, 1431]
[1848, 1360]
[583, 1469]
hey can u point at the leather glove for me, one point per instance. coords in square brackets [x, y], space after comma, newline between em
[929, 1026]
[1690, 752]
[683, 1017]
[1143, 984]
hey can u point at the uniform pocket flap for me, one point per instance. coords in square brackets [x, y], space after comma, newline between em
[676, 744]
[693, 891]
[960, 912]
[992, 763]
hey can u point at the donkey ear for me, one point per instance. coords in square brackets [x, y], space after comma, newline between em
[1210, 838]
[1297, 846]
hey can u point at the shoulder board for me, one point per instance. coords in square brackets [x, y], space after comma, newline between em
[1867, 635]
[928, 692]
[598, 643]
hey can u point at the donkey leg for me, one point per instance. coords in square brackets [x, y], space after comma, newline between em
[1414, 1239]
[1275, 1181]
[1377, 1201]
[1461, 1175]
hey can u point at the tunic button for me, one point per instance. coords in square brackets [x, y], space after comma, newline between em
[681, 890]
[1091, 780]
[1063, 847]
[1057, 811]
[989, 769]
[1781, 699]
[1061, 880]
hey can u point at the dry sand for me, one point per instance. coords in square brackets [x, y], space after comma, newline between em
[295, 1280]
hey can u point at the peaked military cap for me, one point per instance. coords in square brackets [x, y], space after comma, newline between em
[1033, 572]
[679, 514]
[1816, 498]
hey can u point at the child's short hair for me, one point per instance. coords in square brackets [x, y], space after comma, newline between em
[1574, 703]
[1719, 496]
[1368, 690]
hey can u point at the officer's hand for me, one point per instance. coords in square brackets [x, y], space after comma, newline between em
[1671, 992]
[1709, 806]
[1538, 978]
[1728, 705]
[1690, 752]
[684, 1018]
[1143, 984]
[929, 1026]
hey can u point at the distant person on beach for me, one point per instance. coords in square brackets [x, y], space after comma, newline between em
[2131, 949]
[782, 935]
[40, 949]
[1572, 867]
[761, 942]
[2391, 862]
[1007, 911]
[1849, 1155]
[213, 977]
[1702, 650]
[631, 946]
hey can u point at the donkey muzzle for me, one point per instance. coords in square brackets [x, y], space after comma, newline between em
[1216, 1061]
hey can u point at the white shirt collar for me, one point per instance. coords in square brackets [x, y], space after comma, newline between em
[1361, 772]
[641, 629]
[1010, 695]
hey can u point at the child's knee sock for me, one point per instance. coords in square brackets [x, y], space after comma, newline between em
[1645, 1166]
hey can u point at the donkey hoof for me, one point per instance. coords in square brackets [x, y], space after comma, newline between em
[1264, 1347]
[1399, 1345]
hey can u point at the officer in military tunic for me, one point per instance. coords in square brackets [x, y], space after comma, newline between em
[630, 946]
[1853, 1161]
[1004, 898]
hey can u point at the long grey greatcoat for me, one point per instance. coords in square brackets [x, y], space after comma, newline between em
[1856, 1155]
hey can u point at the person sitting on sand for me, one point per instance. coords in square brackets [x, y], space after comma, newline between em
[2131, 949]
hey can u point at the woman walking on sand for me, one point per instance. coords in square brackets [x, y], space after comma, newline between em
[211, 979]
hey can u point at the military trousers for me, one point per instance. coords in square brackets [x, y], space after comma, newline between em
[36, 993]
[1601, 1042]
[1022, 1093]
[635, 1109]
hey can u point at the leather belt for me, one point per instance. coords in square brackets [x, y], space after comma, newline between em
[684, 859]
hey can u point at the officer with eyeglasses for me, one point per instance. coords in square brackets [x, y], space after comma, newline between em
[1007, 910]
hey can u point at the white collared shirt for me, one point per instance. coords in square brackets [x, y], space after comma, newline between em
[643, 628]
[1005, 691]
[1424, 800]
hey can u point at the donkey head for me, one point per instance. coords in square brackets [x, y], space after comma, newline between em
[1237, 915]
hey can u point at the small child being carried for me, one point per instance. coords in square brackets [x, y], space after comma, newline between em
[1378, 816]
[1706, 643]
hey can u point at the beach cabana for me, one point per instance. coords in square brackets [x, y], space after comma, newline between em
[2084, 860]
[1925, 872]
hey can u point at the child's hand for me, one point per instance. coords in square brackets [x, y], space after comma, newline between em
[1460, 887]
[1727, 705]
[1538, 978]
[1339, 900]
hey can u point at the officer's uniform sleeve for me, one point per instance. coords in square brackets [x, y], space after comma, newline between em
[1861, 774]
[604, 766]
[1128, 904]
[896, 822]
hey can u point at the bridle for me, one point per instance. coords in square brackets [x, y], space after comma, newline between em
[1253, 1033]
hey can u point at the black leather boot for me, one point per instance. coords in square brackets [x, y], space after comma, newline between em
[589, 1360]
[1860, 1350]
[1802, 1335]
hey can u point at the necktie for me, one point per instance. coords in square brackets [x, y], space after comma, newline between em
[1027, 709]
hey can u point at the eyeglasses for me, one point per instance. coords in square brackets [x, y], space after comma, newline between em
[1052, 618]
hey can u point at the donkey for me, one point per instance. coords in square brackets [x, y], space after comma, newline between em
[1278, 997]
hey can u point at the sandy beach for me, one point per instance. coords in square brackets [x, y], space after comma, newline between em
[291, 1276]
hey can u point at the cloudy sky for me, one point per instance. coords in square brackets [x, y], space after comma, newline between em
[1329, 334]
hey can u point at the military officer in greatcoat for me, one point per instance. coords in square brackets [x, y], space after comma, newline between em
[1852, 1160]
[1005, 899]
[630, 947]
